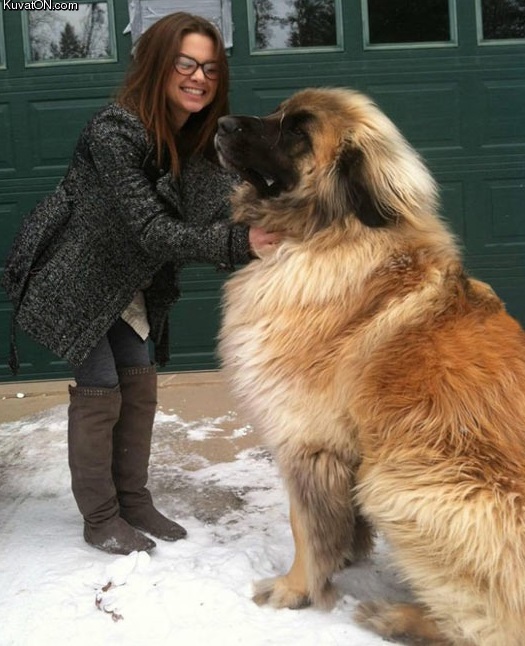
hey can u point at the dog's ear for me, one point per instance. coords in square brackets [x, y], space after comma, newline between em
[376, 176]
[345, 190]
[361, 199]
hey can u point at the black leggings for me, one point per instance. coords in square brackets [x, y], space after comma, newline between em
[120, 348]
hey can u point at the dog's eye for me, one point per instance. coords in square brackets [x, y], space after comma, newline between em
[297, 131]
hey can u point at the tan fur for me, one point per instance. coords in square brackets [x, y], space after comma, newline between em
[390, 387]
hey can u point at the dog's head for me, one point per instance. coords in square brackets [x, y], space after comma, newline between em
[330, 154]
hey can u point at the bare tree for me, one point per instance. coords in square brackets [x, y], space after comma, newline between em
[264, 17]
[94, 32]
[43, 29]
[312, 23]
[503, 19]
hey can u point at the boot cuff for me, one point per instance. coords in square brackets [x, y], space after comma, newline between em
[137, 370]
[92, 391]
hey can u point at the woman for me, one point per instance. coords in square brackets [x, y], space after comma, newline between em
[94, 268]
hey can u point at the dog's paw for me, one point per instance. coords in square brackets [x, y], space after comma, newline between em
[405, 622]
[278, 592]
[376, 616]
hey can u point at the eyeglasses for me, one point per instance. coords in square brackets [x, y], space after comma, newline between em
[187, 66]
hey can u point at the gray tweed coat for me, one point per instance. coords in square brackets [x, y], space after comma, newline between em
[114, 224]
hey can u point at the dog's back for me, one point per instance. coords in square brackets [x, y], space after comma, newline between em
[441, 417]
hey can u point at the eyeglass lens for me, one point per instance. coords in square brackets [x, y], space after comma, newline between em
[187, 66]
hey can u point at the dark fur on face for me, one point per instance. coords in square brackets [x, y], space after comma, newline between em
[288, 158]
[264, 151]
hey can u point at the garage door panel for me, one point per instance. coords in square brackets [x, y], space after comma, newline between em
[428, 114]
[507, 200]
[7, 159]
[193, 345]
[51, 146]
[494, 215]
[452, 206]
[502, 105]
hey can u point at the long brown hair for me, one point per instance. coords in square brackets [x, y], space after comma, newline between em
[144, 89]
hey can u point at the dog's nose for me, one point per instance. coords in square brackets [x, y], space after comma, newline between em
[228, 125]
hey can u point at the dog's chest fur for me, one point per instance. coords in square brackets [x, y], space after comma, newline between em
[298, 330]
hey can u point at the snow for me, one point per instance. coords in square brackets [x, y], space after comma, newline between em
[55, 589]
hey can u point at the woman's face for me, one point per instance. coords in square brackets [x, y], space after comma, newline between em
[192, 92]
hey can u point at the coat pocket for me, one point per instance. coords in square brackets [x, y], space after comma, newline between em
[39, 229]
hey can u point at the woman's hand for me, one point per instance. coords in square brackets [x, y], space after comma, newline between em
[262, 242]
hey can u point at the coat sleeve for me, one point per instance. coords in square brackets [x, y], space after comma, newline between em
[117, 145]
[206, 191]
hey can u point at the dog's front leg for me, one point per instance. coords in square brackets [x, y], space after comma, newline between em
[290, 590]
[328, 531]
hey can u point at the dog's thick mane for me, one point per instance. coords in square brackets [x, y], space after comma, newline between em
[376, 177]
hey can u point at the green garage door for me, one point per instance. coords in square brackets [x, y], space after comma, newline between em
[450, 73]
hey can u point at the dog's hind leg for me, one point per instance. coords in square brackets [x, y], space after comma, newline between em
[409, 623]
[328, 532]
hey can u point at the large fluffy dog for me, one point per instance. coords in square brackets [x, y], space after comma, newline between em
[389, 384]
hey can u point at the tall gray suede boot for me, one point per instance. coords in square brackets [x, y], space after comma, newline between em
[131, 452]
[91, 417]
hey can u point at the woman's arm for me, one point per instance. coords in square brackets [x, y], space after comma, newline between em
[206, 196]
[117, 143]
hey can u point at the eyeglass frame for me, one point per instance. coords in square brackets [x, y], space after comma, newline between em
[203, 66]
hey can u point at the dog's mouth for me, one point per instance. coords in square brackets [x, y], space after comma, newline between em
[266, 184]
